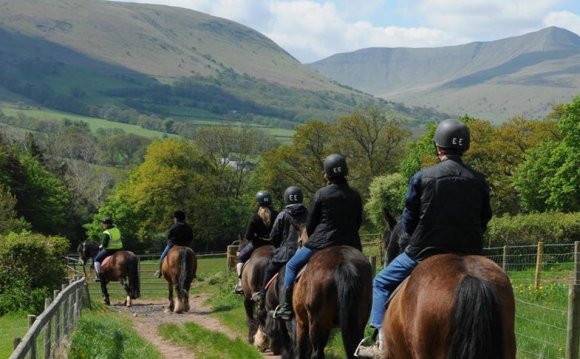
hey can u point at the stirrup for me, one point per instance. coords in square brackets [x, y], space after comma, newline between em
[360, 346]
[278, 313]
[157, 274]
[238, 289]
[256, 297]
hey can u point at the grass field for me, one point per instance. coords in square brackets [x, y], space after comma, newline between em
[13, 325]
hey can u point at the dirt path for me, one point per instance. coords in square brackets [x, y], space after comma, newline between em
[147, 315]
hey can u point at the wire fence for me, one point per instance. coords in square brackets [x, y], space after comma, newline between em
[541, 276]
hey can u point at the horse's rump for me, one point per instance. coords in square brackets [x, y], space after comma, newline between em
[463, 305]
[335, 291]
[253, 270]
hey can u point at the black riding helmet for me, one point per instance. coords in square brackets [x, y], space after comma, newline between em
[452, 133]
[293, 195]
[263, 198]
[107, 220]
[335, 166]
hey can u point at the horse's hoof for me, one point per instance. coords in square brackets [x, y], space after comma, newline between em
[106, 301]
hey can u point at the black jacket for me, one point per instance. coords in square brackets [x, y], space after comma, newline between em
[180, 234]
[257, 232]
[284, 236]
[451, 210]
[334, 217]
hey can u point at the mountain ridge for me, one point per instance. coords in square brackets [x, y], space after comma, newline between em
[430, 76]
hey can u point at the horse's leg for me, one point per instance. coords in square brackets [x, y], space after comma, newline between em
[105, 292]
[252, 326]
[178, 298]
[127, 288]
[318, 335]
[170, 297]
[303, 348]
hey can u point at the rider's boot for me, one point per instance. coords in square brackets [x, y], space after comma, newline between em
[238, 289]
[284, 310]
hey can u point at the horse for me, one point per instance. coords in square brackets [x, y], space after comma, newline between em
[122, 266]
[179, 269]
[335, 291]
[252, 275]
[451, 306]
[278, 333]
[394, 239]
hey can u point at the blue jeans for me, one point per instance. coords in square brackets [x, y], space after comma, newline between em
[165, 251]
[298, 260]
[386, 282]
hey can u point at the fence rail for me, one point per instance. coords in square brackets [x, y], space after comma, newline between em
[54, 324]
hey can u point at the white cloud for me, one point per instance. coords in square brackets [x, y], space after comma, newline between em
[563, 19]
[313, 29]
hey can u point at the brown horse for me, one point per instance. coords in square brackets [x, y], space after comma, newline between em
[335, 291]
[252, 275]
[451, 306]
[122, 266]
[278, 332]
[179, 269]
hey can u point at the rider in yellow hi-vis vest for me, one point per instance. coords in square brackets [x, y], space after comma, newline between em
[110, 243]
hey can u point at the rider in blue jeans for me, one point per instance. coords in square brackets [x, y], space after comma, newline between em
[334, 219]
[446, 211]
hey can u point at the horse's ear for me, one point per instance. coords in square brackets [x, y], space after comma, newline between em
[389, 219]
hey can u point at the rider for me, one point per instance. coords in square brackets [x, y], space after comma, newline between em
[180, 234]
[446, 210]
[257, 233]
[110, 243]
[334, 219]
[284, 236]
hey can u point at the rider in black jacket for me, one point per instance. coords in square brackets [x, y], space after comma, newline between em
[284, 236]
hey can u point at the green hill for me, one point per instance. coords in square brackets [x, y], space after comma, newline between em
[147, 64]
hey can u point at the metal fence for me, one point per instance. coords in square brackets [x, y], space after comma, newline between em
[47, 331]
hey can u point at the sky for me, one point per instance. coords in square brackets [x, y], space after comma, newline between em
[311, 30]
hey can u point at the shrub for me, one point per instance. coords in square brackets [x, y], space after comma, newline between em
[529, 229]
[31, 267]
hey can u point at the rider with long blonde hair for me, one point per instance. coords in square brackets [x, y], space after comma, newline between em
[257, 232]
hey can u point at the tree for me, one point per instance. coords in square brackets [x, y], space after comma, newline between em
[550, 178]
[385, 192]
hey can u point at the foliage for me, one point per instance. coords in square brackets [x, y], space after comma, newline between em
[527, 229]
[174, 175]
[385, 192]
[108, 335]
[550, 178]
[8, 217]
[31, 267]
[420, 154]
[372, 143]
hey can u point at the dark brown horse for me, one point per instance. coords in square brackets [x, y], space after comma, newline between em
[122, 266]
[335, 291]
[179, 269]
[252, 275]
[278, 332]
[451, 306]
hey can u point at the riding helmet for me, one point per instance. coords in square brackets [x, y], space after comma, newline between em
[452, 133]
[107, 220]
[335, 166]
[293, 195]
[263, 198]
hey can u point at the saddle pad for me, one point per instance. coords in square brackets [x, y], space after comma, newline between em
[106, 260]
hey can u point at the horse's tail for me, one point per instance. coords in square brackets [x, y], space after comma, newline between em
[477, 326]
[133, 275]
[349, 288]
[185, 270]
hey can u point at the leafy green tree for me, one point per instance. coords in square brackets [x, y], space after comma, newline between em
[8, 217]
[550, 178]
[385, 192]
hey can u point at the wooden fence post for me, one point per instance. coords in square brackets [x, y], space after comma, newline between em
[31, 319]
[232, 254]
[48, 332]
[373, 262]
[504, 259]
[56, 319]
[573, 326]
[539, 260]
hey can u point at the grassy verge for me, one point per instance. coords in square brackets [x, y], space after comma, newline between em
[104, 334]
[207, 344]
[12, 325]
